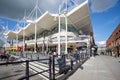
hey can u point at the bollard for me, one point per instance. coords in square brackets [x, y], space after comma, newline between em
[76, 58]
[53, 64]
[79, 57]
[50, 62]
[71, 62]
[27, 70]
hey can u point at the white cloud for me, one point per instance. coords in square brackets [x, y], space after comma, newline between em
[15, 9]
[111, 21]
[102, 5]
[1, 22]
[101, 43]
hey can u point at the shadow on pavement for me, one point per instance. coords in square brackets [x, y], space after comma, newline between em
[2, 78]
[76, 66]
[81, 67]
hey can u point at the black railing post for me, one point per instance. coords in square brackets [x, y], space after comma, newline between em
[31, 56]
[71, 63]
[26, 55]
[38, 57]
[79, 56]
[27, 69]
[50, 75]
[53, 64]
[64, 58]
[82, 56]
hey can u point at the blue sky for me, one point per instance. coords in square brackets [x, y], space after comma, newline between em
[105, 16]
[8, 22]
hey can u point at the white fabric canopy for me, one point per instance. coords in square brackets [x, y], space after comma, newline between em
[79, 17]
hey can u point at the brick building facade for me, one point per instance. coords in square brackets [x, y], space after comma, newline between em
[113, 43]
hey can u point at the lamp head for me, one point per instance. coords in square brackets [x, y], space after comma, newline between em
[65, 12]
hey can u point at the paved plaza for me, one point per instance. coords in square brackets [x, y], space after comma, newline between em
[98, 68]
[101, 67]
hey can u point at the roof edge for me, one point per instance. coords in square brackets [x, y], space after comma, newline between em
[76, 8]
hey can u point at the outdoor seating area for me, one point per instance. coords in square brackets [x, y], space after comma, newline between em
[57, 65]
[63, 67]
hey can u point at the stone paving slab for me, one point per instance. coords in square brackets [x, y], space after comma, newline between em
[11, 72]
[14, 72]
[98, 68]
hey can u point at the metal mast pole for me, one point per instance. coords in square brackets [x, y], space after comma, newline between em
[65, 13]
[59, 32]
[23, 41]
[24, 32]
[47, 45]
[36, 28]
[16, 40]
[6, 42]
[35, 38]
[66, 34]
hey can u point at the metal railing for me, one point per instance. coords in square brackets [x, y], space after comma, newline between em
[27, 75]
[51, 63]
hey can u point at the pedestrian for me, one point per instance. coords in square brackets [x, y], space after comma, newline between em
[3, 55]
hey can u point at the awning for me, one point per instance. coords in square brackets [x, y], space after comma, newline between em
[79, 17]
